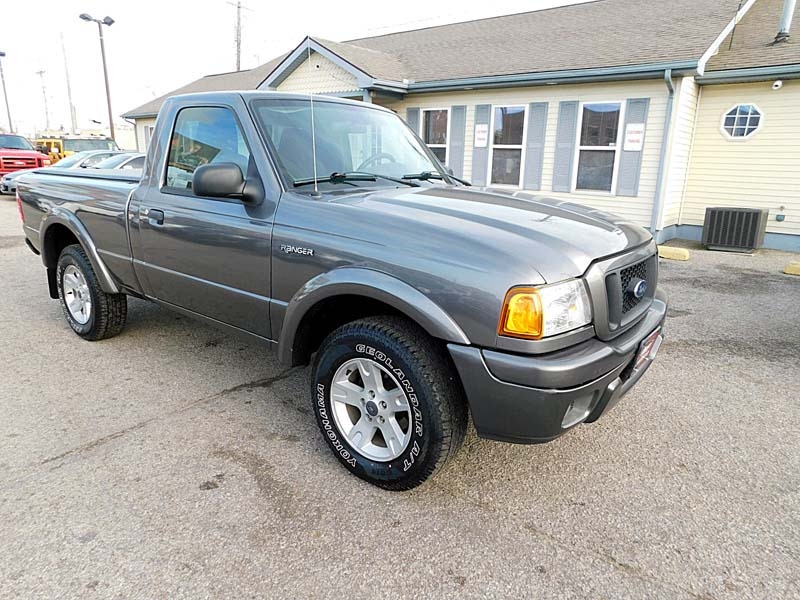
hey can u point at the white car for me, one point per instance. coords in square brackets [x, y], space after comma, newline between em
[79, 160]
[126, 160]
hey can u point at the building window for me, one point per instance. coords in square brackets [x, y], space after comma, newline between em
[148, 135]
[741, 121]
[508, 127]
[434, 132]
[597, 151]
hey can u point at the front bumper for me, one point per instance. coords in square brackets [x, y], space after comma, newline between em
[534, 399]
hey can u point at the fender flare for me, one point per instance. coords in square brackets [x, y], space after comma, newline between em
[372, 284]
[71, 222]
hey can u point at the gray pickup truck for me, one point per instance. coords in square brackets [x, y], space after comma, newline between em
[328, 230]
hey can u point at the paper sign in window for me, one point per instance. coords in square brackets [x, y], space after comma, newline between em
[481, 135]
[634, 137]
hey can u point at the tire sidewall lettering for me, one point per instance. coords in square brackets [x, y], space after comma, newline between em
[408, 387]
[415, 452]
[329, 429]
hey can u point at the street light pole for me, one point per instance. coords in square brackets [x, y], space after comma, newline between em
[5, 94]
[108, 21]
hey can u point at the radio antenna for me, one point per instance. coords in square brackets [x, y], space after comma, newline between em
[313, 133]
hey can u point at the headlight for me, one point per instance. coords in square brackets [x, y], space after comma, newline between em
[46, 162]
[534, 313]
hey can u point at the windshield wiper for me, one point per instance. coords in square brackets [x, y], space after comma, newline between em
[424, 176]
[349, 177]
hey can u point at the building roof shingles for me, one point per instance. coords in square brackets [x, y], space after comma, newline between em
[753, 37]
[602, 33]
[235, 80]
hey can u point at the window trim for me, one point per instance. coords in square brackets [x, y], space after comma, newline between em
[163, 188]
[743, 138]
[522, 146]
[616, 148]
[446, 145]
[148, 130]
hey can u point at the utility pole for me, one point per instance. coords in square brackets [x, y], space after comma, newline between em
[44, 96]
[239, 8]
[72, 116]
[238, 35]
[5, 94]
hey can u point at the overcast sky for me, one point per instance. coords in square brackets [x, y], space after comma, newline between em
[157, 46]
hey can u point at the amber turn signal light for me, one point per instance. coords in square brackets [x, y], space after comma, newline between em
[523, 314]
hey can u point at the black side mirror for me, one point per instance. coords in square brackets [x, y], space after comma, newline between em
[218, 180]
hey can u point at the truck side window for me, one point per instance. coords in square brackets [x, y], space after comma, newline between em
[204, 135]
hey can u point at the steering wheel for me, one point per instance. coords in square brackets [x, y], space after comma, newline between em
[374, 159]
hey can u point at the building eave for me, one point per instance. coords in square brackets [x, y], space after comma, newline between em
[750, 74]
[300, 54]
[623, 73]
[139, 115]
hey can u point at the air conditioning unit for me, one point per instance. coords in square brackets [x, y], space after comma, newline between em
[734, 229]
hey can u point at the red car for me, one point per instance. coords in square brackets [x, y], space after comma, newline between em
[17, 153]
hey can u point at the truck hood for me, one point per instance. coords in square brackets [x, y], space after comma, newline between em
[14, 153]
[555, 238]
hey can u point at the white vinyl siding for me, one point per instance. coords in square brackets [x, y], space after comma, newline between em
[638, 209]
[142, 137]
[683, 122]
[759, 171]
[320, 76]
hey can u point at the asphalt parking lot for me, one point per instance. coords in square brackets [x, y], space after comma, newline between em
[175, 461]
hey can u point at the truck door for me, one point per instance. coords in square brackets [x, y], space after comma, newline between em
[207, 255]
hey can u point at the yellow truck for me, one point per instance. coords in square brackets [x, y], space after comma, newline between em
[57, 147]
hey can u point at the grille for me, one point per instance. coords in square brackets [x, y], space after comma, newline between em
[637, 271]
[8, 163]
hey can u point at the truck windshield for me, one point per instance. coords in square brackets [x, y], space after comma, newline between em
[15, 142]
[79, 145]
[349, 138]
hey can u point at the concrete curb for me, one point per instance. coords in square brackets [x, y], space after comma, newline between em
[673, 253]
[793, 268]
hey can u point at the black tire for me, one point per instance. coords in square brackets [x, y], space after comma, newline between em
[439, 417]
[108, 311]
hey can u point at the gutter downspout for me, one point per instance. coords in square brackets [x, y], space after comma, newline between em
[658, 200]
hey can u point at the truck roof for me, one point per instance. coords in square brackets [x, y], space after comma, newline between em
[248, 95]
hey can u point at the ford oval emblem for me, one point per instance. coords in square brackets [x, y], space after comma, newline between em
[640, 289]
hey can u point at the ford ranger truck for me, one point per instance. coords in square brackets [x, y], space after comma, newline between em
[417, 299]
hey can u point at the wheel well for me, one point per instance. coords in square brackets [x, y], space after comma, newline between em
[56, 239]
[329, 314]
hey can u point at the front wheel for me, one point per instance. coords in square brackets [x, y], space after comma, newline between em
[91, 313]
[387, 401]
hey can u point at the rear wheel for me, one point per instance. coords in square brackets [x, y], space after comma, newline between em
[387, 401]
[91, 313]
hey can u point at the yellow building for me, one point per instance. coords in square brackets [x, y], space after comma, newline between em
[648, 109]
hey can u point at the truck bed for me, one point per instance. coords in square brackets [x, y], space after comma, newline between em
[96, 197]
